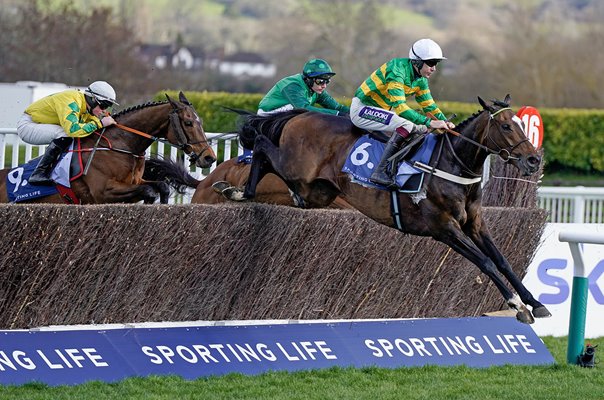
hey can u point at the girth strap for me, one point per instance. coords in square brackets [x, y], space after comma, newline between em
[395, 209]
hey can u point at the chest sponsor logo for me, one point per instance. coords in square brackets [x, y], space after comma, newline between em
[377, 115]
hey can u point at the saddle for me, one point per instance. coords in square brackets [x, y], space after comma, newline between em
[67, 169]
[408, 149]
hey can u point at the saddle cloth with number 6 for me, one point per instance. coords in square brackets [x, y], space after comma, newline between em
[365, 156]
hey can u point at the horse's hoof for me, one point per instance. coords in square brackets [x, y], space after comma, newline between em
[233, 193]
[525, 316]
[541, 312]
[220, 186]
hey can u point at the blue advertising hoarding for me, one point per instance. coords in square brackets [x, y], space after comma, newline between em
[76, 356]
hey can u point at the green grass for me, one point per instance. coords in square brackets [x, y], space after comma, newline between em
[559, 381]
[8, 155]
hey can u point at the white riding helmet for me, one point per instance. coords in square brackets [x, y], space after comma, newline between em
[102, 91]
[426, 49]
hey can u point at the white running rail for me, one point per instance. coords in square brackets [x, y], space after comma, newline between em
[565, 204]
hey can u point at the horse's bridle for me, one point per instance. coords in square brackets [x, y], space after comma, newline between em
[174, 121]
[181, 137]
[505, 154]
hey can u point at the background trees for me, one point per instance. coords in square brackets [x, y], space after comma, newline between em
[546, 53]
[66, 45]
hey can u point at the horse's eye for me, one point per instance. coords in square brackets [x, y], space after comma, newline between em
[188, 123]
[507, 127]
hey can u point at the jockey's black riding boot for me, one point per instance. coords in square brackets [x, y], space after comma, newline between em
[382, 175]
[41, 175]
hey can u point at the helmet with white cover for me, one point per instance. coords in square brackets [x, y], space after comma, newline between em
[426, 49]
[102, 92]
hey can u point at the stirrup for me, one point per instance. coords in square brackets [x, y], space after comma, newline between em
[383, 179]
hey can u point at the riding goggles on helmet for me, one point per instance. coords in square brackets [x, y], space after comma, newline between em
[431, 63]
[321, 81]
[105, 104]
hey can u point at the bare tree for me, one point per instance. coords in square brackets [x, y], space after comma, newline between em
[63, 44]
[331, 30]
[538, 54]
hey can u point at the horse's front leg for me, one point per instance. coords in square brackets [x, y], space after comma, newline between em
[482, 238]
[120, 192]
[265, 153]
[454, 237]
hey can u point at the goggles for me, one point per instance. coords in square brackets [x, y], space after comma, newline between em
[321, 81]
[431, 63]
[104, 104]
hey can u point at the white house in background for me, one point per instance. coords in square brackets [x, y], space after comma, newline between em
[245, 64]
[162, 56]
[240, 65]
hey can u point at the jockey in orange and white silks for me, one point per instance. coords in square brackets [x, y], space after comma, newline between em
[303, 90]
[380, 103]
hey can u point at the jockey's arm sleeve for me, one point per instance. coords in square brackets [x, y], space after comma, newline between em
[70, 121]
[402, 109]
[395, 91]
[330, 103]
[295, 94]
[427, 103]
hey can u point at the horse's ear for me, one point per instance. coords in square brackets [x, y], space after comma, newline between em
[507, 99]
[183, 98]
[481, 101]
[174, 104]
[484, 104]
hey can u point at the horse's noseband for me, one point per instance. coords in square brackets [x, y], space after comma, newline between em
[506, 153]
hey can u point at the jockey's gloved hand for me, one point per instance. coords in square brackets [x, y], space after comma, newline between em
[107, 120]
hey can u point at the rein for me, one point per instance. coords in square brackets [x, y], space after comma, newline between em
[180, 135]
[504, 154]
[137, 132]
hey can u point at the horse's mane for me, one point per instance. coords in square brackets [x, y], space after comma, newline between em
[467, 121]
[271, 126]
[138, 107]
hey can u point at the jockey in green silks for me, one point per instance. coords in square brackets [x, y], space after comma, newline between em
[380, 103]
[303, 90]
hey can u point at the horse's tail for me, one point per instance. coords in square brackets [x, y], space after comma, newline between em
[239, 111]
[171, 172]
[267, 125]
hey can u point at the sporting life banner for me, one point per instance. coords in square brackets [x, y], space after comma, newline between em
[68, 357]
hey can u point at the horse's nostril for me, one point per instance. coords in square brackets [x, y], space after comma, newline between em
[534, 161]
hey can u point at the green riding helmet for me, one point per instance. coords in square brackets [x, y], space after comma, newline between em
[317, 68]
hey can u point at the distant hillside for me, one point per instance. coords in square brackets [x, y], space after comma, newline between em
[530, 48]
[206, 22]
